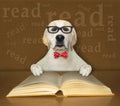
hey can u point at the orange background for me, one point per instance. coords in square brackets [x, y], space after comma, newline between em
[22, 24]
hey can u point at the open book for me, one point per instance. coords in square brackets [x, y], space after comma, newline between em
[69, 83]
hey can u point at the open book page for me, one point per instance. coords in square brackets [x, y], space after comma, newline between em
[74, 84]
[45, 84]
[76, 77]
[45, 78]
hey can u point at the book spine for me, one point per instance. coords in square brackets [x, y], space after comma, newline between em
[59, 81]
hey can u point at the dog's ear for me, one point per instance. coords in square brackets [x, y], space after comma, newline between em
[73, 39]
[45, 39]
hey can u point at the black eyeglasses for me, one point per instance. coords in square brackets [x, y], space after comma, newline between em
[55, 29]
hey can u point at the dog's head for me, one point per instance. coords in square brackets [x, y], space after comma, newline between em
[60, 34]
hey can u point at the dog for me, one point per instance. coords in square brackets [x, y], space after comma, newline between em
[60, 37]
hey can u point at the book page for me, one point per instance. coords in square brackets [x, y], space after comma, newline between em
[76, 77]
[45, 78]
[73, 84]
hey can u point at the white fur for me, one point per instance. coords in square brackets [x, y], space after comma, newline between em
[72, 63]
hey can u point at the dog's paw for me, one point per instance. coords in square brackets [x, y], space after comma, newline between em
[36, 70]
[85, 70]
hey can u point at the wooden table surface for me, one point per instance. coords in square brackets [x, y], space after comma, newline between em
[10, 79]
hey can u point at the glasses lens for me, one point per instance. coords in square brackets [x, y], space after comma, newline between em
[67, 29]
[53, 29]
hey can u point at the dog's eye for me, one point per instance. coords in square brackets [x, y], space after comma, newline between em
[66, 29]
[53, 29]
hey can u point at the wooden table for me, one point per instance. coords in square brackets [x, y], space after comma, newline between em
[10, 79]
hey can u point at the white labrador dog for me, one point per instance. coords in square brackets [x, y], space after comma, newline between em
[60, 37]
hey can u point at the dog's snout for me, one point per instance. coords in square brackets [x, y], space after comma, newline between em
[60, 38]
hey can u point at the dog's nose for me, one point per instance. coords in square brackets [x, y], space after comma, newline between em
[60, 38]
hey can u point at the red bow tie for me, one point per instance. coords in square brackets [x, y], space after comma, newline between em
[63, 54]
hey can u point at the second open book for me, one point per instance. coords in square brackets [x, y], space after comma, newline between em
[70, 84]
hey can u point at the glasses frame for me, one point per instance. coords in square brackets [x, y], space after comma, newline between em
[59, 28]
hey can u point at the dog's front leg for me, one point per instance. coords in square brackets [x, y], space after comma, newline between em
[36, 69]
[85, 69]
